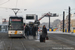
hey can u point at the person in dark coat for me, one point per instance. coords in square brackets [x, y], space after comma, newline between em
[34, 31]
[30, 30]
[27, 31]
[37, 30]
[44, 32]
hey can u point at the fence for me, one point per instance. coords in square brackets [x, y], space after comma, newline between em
[65, 30]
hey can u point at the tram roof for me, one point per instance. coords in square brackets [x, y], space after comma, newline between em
[16, 17]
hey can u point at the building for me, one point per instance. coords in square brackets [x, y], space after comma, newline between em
[47, 25]
[4, 21]
[72, 21]
[55, 23]
[60, 25]
[4, 26]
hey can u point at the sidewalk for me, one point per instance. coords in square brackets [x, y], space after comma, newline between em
[54, 32]
[60, 32]
[49, 44]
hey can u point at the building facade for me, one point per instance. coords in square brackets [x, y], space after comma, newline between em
[72, 21]
[4, 26]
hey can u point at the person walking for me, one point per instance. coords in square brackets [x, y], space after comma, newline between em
[44, 32]
[24, 31]
[30, 30]
[34, 31]
[37, 30]
[27, 31]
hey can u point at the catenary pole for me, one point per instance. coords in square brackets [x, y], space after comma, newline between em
[49, 22]
[63, 19]
[69, 21]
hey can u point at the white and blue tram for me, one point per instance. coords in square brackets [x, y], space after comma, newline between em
[15, 26]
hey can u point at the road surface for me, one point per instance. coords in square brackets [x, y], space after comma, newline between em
[55, 42]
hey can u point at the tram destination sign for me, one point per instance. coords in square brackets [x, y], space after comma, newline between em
[15, 19]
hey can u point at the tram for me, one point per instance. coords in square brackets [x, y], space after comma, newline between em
[15, 26]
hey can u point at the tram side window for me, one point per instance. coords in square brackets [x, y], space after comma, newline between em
[29, 17]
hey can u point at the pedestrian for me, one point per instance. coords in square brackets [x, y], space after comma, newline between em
[34, 31]
[37, 30]
[27, 31]
[24, 31]
[30, 30]
[44, 32]
[24, 25]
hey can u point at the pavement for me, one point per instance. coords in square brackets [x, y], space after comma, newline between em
[57, 41]
[60, 32]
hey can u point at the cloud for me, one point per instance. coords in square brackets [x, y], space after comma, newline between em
[26, 3]
[2, 2]
[39, 3]
[11, 3]
[39, 6]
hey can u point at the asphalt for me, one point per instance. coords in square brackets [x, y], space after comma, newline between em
[55, 42]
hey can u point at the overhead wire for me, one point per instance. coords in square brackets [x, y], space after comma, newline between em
[16, 3]
[4, 2]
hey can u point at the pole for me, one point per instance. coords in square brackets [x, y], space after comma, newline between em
[63, 19]
[69, 21]
[49, 22]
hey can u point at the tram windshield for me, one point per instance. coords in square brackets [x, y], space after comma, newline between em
[16, 24]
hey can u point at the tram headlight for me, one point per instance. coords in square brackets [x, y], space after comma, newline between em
[20, 32]
[10, 32]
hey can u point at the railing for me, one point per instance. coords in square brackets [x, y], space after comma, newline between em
[65, 30]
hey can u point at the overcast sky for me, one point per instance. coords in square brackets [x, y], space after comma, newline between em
[37, 7]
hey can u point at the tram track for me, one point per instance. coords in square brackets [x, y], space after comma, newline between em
[27, 44]
[10, 43]
[2, 39]
[7, 44]
[24, 47]
[17, 43]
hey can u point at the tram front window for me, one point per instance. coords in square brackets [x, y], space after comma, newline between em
[16, 26]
